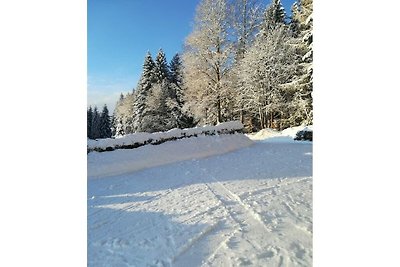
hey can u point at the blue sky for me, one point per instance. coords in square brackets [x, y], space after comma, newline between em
[120, 32]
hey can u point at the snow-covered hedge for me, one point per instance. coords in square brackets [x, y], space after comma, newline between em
[141, 139]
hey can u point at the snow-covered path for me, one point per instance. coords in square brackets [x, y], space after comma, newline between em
[250, 207]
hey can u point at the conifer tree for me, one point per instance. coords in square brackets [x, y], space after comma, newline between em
[156, 114]
[96, 124]
[275, 15]
[161, 67]
[142, 90]
[105, 123]
[302, 25]
[176, 102]
[176, 78]
[176, 70]
[89, 122]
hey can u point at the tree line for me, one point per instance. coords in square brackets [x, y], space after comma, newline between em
[242, 61]
[157, 103]
[98, 123]
[245, 62]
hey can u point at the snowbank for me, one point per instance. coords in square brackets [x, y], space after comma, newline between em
[287, 135]
[294, 130]
[124, 161]
[140, 139]
[264, 134]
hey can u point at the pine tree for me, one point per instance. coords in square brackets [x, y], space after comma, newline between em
[161, 71]
[275, 15]
[105, 123]
[113, 125]
[89, 122]
[176, 101]
[146, 81]
[96, 124]
[175, 70]
[302, 25]
[156, 115]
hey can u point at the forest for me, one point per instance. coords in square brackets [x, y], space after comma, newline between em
[240, 62]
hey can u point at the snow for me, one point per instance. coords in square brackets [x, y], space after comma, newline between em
[286, 136]
[251, 206]
[128, 160]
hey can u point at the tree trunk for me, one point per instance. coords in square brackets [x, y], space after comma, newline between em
[261, 118]
[219, 119]
[271, 120]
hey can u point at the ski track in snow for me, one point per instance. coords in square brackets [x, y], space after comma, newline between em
[250, 207]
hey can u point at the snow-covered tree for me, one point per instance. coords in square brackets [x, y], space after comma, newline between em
[176, 77]
[274, 16]
[161, 71]
[206, 59]
[302, 26]
[142, 90]
[176, 101]
[268, 65]
[105, 123]
[156, 115]
[245, 17]
[123, 115]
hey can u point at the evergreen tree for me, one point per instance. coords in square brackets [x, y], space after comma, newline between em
[156, 115]
[176, 79]
[89, 122]
[105, 123]
[142, 90]
[176, 102]
[113, 125]
[96, 124]
[302, 25]
[161, 67]
[275, 15]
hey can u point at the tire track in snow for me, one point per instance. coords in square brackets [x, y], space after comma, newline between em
[248, 222]
[270, 246]
[197, 238]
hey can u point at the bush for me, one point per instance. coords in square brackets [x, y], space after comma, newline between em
[304, 135]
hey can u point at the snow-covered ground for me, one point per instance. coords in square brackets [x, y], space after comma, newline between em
[287, 135]
[248, 207]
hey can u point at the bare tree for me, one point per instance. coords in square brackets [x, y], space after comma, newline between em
[207, 58]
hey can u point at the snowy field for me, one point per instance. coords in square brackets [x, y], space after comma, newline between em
[248, 207]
